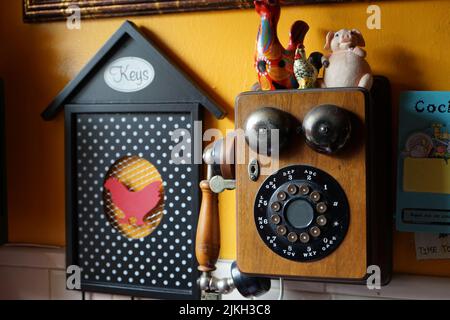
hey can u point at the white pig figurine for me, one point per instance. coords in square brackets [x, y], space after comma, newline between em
[346, 66]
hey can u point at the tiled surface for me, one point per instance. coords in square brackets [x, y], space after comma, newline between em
[24, 283]
[39, 273]
[32, 257]
[316, 287]
[401, 287]
[345, 297]
[98, 296]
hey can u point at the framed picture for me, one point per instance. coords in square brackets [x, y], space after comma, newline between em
[131, 213]
[47, 10]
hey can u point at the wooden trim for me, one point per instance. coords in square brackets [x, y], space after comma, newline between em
[49, 10]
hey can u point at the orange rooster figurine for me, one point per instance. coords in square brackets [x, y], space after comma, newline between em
[134, 204]
[274, 63]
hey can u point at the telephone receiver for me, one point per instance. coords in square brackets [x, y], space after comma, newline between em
[220, 177]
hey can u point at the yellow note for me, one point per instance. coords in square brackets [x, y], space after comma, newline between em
[426, 175]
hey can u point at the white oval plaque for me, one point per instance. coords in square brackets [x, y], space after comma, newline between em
[129, 74]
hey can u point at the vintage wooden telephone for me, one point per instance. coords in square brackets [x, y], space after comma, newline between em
[325, 213]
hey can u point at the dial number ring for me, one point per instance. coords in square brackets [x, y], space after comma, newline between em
[302, 241]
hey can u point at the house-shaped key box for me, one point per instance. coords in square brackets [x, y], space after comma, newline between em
[131, 182]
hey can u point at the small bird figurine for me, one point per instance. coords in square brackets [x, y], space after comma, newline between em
[273, 62]
[306, 70]
[134, 205]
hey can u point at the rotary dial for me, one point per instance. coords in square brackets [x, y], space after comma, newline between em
[301, 213]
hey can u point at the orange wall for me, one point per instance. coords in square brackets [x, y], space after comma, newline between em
[36, 61]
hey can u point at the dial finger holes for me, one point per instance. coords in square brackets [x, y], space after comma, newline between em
[292, 237]
[304, 237]
[276, 206]
[282, 196]
[281, 230]
[304, 189]
[315, 231]
[294, 211]
[314, 196]
[321, 207]
[292, 189]
[276, 219]
[321, 221]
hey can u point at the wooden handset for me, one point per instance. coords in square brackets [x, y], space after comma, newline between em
[219, 156]
[207, 244]
[221, 173]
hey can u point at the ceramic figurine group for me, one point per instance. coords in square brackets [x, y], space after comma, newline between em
[290, 68]
[273, 62]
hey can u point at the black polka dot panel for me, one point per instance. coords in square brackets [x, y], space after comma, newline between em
[162, 257]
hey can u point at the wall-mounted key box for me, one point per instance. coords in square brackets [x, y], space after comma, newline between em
[131, 190]
[323, 211]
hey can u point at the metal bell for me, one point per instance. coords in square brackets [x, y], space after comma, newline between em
[327, 128]
[267, 130]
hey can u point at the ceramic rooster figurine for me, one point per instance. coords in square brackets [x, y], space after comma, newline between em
[274, 63]
[135, 205]
[306, 70]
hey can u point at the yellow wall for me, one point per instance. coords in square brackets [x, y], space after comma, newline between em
[36, 61]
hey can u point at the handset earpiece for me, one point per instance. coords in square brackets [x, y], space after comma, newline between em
[249, 286]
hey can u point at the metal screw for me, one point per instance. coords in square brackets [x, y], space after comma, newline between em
[276, 219]
[315, 232]
[282, 196]
[304, 237]
[314, 196]
[292, 189]
[321, 207]
[292, 237]
[276, 206]
[253, 170]
[321, 220]
[323, 129]
[304, 189]
[281, 230]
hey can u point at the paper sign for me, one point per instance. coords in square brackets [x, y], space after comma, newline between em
[430, 246]
[423, 164]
